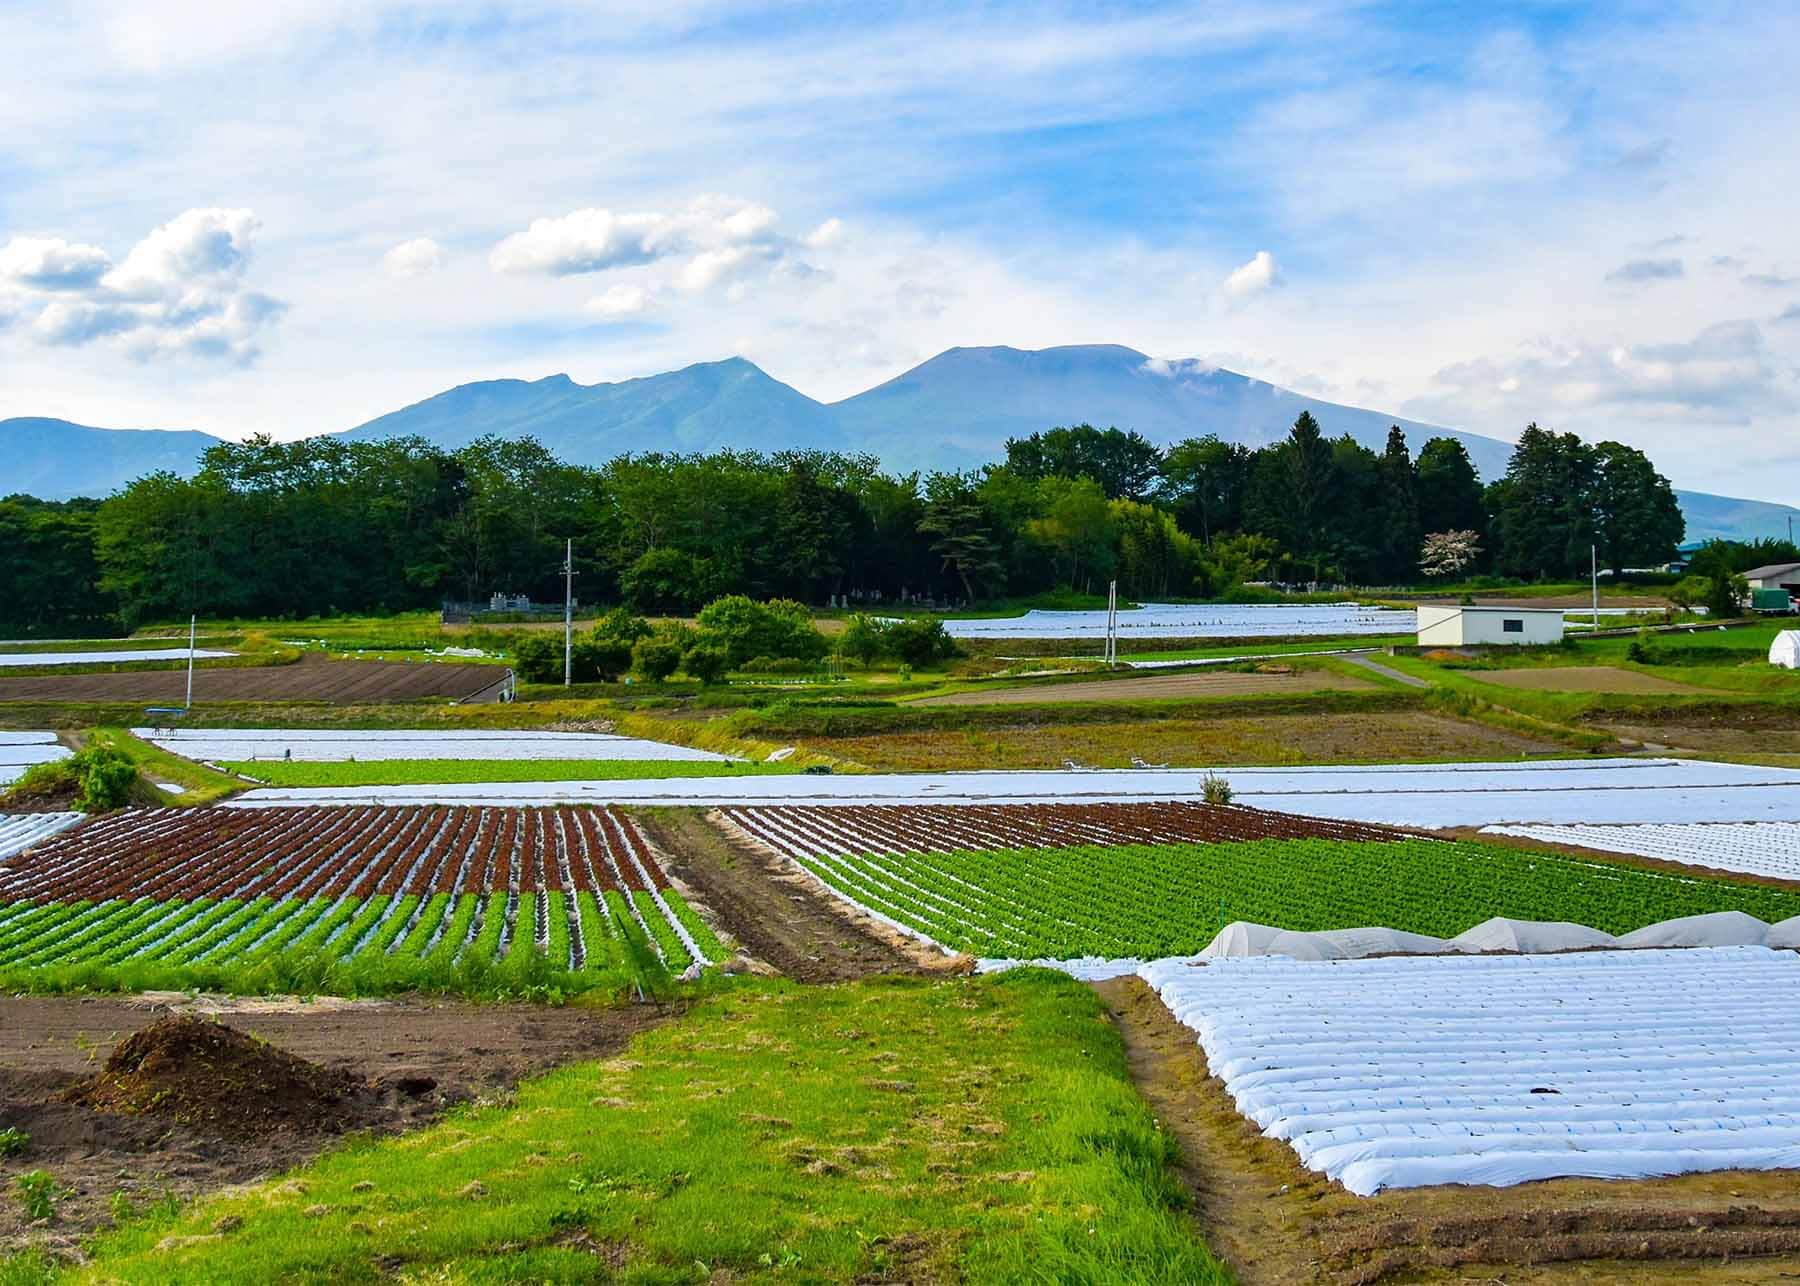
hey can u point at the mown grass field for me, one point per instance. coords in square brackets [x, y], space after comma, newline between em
[780, 1133]
[412, 772]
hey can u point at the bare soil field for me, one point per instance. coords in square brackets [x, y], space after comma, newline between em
[1160, 687]
[404, 1063]
[1371, 737]
[1274, 1221]
[779, 916]
[313, 678]
[1582, 678]
[1738, 730]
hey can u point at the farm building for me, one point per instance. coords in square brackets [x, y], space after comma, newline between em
[1775, 576]
[1467, 626]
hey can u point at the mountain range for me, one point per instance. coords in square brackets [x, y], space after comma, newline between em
[954, 411]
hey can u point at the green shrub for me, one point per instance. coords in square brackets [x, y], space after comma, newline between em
[107, 777]
[705, 663]
[37, 1194]
[13, 1142]
[656, 658]
[744, 628]
[864, 639]
[921, 642]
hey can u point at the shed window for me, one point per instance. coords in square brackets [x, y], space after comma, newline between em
[1512, 627]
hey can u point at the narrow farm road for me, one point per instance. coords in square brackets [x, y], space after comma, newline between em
[1385, 671]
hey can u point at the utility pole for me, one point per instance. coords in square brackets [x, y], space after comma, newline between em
[192, 619]
[569, 612]
[1112, 624]
[1594, 558]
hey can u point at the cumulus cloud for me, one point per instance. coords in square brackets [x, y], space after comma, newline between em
[1643, 270]
[416, 258]
[620, 300]
[50, 263]
[1252, 278]
[179, 291]
[715, 242]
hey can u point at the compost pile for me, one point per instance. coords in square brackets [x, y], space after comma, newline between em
[215, 1078]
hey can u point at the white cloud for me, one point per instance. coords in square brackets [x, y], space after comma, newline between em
[198, 248]
[586, 241]
[50, 263]
[828, 234]
[416, 258]
[1252, 278]
[179, 291]
[620, 300]
[1178, 368]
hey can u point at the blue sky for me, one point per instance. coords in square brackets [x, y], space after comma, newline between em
[293, 218]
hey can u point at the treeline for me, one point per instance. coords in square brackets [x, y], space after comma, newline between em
[325, 526]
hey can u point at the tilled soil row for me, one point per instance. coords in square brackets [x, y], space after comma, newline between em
[325, 852]
[943, 828]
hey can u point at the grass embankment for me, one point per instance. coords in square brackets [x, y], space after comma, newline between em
[1162, 900]
[199, 784]
[774, 1133]
[1257, 651]
[418, 772]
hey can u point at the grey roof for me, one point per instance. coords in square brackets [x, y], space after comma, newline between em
[1772, 571]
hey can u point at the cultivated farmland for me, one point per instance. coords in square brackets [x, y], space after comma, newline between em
[1497, 1070]
[1753, 848]
[1126, 881]
[310, 679]
[363, 898]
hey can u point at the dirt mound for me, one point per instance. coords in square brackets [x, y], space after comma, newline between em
[215, 1077]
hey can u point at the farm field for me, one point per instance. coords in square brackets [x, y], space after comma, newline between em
[1172, 687]
[10, 660]
[312, 745]
[20, 750]
[19, 831]
[1756, 848]
[310, 679]
[1144, 882]
[1406, 1072]
[1583, 678]
[365, 900]
[414, 772]
[1212, 740]
[1421, 796]
[1206, 620]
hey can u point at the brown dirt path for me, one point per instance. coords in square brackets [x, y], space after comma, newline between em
[778, 915]
[1275, 1222]
[415, 1058]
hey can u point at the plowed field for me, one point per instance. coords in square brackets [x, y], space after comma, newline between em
[311, 679]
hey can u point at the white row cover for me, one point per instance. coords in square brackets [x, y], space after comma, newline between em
[1242, 939]
[27, 738]
[331, 745]
[16, 757]
[1176, 621]
[1754, 848]
[1422, 796]
[106, 658]
[1496, 1070]
[19, 831]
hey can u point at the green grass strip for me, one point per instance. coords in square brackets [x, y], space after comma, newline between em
[842, 1172]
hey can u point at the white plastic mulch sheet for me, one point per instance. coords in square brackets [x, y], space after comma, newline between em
[1176, 621]
[1755, 848]
[332, 745]
[107, 658]
[1428, 796]
[1394, 1073]
[20, 750]
[19, 831]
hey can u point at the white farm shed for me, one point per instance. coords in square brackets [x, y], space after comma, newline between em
[1468, 626]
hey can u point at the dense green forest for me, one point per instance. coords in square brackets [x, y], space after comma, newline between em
[321, 525]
